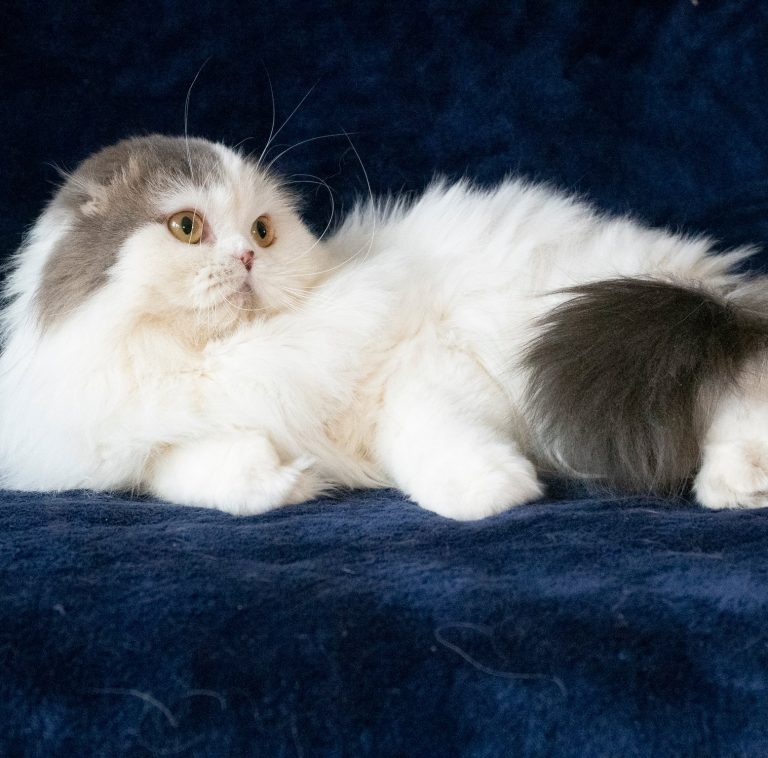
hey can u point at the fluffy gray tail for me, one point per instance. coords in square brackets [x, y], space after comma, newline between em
[624, 375]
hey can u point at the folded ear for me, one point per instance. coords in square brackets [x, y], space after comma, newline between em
[96, 202]
[91, 194]
[84, 195]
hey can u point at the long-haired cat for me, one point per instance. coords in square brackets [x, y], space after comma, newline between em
[171, 326]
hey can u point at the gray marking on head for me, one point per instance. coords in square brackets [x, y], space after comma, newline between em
[624, 377]
[108, 197]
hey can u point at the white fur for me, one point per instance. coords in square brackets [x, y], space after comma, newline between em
[734, 469]
[383, 356]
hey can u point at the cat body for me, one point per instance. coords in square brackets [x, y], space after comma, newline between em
[244, 371]
[448, 402]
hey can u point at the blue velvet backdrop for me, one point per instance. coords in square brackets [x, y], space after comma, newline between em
[362, 625]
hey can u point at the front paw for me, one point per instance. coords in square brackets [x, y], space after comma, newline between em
[478, 484]
[238, 473]
[263, 488]
[306, 482]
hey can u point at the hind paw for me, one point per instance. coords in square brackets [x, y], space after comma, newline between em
[734, 475]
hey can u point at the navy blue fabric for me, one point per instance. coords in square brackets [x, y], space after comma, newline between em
[361, 625]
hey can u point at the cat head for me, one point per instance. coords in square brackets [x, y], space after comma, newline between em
[178, 230]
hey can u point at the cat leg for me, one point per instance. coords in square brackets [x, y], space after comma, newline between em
[452, 467]
[734, 468]
[449, 449]
[238, 472]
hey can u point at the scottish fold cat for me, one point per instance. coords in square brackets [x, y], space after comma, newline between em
[171, 326]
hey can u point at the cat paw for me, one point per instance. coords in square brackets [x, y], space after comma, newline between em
[487, 482]
[262, 488]
[238, 473]
[733, 475]
[306, 482]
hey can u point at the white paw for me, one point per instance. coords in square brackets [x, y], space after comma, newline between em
[262, 487]
[488, 481]
[307, 483]
[237, 473]
[734, 475]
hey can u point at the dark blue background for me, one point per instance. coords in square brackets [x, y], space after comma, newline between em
[658, 108]
[364, 626]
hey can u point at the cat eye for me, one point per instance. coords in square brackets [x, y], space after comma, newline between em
[186, 226]
[263, 231]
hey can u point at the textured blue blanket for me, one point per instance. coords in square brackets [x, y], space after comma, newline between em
[362, 625]
[365, 626]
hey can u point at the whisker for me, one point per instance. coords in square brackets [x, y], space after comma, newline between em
[370, 194]
[274, 134]
[186, 113]
[291, 306]
[186, 123]
[274, 111]
[208, 178]
[242, 142]
[242, 308]
[373, 215]
[304, 293]
[299, 144]
[330, 220]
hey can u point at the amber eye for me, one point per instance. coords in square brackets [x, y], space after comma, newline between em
[186, 226]
[263, 231]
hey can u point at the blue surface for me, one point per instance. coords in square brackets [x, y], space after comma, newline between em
[365, 626]
[362, 625]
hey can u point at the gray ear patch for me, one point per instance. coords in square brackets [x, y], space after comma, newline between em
[108, 197]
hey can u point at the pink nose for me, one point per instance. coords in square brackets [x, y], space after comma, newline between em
[247, 259]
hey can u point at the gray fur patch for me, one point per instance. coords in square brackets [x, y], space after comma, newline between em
[623, 377]
[108, 197]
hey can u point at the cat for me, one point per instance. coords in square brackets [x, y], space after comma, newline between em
[171, 326]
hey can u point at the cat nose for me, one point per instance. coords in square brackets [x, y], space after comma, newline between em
[246, 257]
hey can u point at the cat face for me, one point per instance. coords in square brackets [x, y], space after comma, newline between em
[184, 231]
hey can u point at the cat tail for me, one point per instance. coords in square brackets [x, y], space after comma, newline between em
[625, 374]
